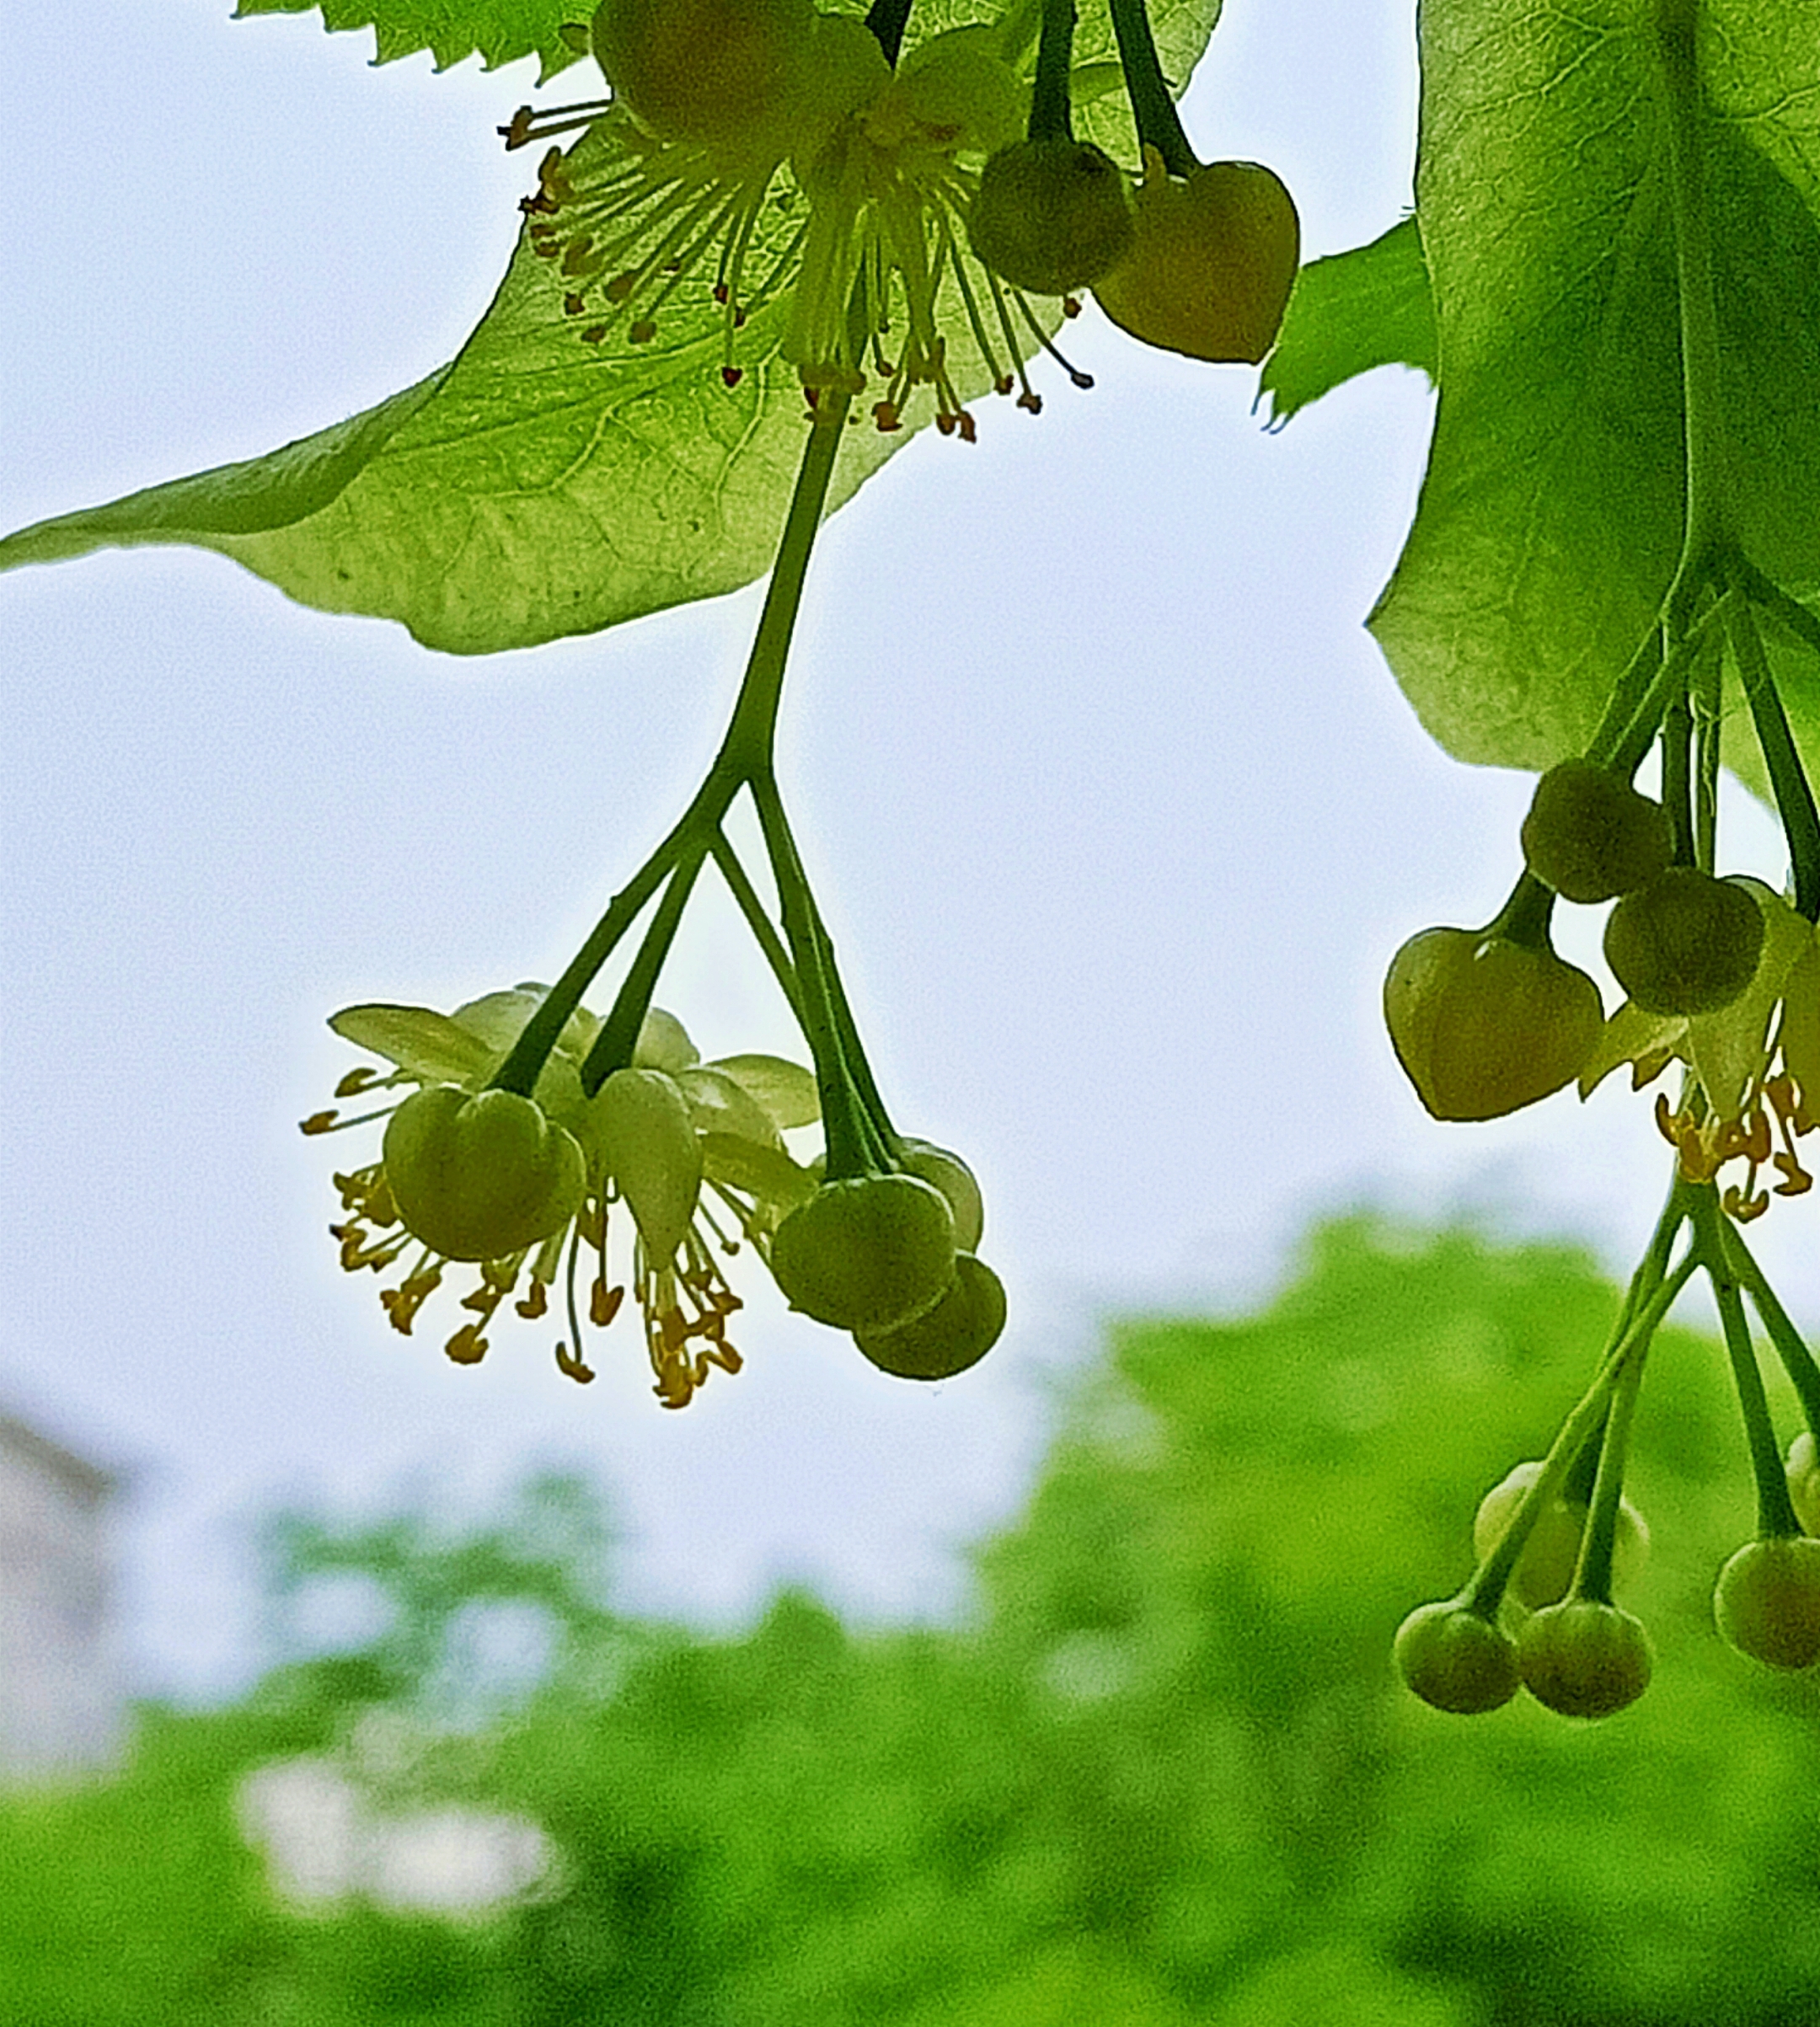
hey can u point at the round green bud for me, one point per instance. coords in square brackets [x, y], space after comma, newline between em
[1766, 1601]
[1455, 1659]
[480, 1177]
[868, 1253]
[1803, 1475]
[1591, 836]
[1585, 1659]
[1545, 1567]
[1483, 1025]
[1685, 943]
[1212, 263]
[955, 1180]
[714, 73]
[957, 1333]
[1051, 215]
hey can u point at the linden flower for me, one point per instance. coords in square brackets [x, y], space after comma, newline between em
[1755, 1066]
[850, 218]
[693, 1152]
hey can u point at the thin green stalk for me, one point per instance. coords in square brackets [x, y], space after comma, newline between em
[1486, 1585]
[1791, 1346]
[1526, 914]
[1788, 777]
[1706, 527]
[763, 929]
[1775, 1510]
[1051, 118]
[1593, 1569]
[851, 1144]
[1676, 775]
[1153, 103]
[1642, 693]
[614, 1047]
[745, 751]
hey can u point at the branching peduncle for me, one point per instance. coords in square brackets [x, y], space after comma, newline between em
[1152, 103]
[744, 753]
[1050, 116]
[1707, 530]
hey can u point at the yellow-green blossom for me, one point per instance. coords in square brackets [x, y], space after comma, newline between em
[1753, 1087]
[851, 222]
[691, 1156]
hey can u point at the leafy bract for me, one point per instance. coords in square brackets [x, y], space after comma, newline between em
[497, 31]
[539, 485]
[1550, 517]
[1367, 308]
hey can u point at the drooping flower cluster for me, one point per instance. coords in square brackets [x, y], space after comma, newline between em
[524, 1191]
[841, 201]
[1755, 1064]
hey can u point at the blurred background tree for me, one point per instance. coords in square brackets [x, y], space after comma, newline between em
[1163, 1775]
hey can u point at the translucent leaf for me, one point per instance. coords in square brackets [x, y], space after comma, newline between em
[1550, 517]
[427, 1043]
[1367, 307]
[785, 1089]
[497, 31]
[717, 1105]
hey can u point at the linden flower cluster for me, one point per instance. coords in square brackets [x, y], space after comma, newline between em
[1754, 1065]
[779, 142]
[522, 1191]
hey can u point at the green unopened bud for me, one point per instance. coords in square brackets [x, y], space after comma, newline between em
[480, 1177]
[957, 1333]
[1766, 1601]
[1051, 215]
[640, 1122]
[951, 1176]
[1686, 943]
[868, 1253]
[1456, 1658]
[1483, 1025]
[1584, 1658]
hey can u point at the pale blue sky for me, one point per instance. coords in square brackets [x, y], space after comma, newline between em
[1114, 806]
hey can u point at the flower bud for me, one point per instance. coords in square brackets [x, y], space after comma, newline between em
[957, 1333]
[1483, 1025]
[1584, 1658]
[1591, 836]
[480, 1177]
[1051, 215]
[1766, 1601]
[1455, 1659]
[868, 1253]
[1686, 943]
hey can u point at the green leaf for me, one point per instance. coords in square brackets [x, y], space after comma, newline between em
[1550, 517]
[420, 1042]
[1368, 306]
[497, 31]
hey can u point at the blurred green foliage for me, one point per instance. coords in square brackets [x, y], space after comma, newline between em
[1164, 1776]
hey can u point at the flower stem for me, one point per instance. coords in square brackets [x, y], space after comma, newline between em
[1152, 103]
[1707, 524]
[745, 752]
[618, 1039]
[1788, 777]
[1775, 1510]
[1050, 116]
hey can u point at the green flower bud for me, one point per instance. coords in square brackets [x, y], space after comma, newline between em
[1051, 215]
[1545, 1567]
[955, 1180]
[1585, 1659]
[1212, 261]
[1455, 1659]
[639, 1121]
[481, 1177]
[1803, 1475]
[1685, 943]
[1483, 1025]
[1766, 1601]
[710, 71]
[1591, 836]
[868, 1252]
[957, 1333]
